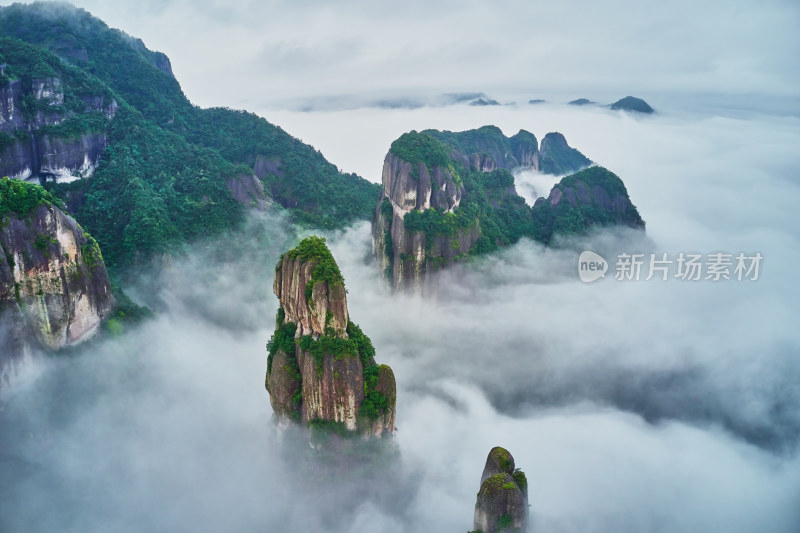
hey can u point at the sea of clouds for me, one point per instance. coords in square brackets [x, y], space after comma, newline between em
[631, 405]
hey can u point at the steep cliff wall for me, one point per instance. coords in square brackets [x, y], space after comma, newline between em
[53, 119]
[440, 205]
[54, 288]
[502, 503]
[411, 189]
[321, 367]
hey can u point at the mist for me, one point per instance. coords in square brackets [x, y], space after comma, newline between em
[639, 405]
[271, 54]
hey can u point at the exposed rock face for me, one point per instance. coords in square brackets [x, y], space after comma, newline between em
[414, 186]
[440, 205]
[408, 254]
[502, 503]
[51, 157]
[39, 141]
[321, 367]
[54, 288]
[293, 275]
[248, 190]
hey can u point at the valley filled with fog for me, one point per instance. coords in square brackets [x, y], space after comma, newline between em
[631, 405]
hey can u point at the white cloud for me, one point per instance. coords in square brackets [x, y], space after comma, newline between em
[580, 48]
[632, 406]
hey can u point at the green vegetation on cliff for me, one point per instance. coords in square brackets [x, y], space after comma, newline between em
[297, 176]
[21, 198]
[153, 191]
[313, 249]
[282, 339]
[29, 64]
[163, 180]
[593, 196]
[488, 202]
[507, 152]
[415, 147]
[570, 216]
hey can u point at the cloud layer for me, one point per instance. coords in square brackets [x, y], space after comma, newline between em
[277, 53]
[631, 405]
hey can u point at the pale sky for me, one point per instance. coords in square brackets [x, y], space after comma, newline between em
[271, 54]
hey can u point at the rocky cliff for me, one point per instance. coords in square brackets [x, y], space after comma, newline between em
[592, 197]
[502, 503]
[321, 368]
[440, 205]
[53, 119]
[486, 148]
[405, 250]
[558, 157]
[54, 288]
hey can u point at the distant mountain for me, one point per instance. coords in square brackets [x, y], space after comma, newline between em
[631, 103]
[484, 101]
[581, 101]
[158, 171]
[537, 101]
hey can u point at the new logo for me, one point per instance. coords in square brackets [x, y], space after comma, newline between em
[591, 266]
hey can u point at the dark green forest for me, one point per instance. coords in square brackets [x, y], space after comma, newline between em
[162, 180]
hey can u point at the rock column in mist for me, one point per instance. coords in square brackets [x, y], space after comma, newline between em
[418, 176]
[321, 368]
[503, 497]
[54, 288]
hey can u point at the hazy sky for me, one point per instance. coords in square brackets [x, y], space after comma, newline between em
[259, 54]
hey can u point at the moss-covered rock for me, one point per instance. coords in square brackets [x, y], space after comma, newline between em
[502, 503]
[54, 288]
[321, 367]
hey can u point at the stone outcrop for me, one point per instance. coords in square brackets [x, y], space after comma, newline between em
[249, 191]
[50, 157]
[321, 368]
[557, 157]
[422, 223]
[54, 288]
[408, 254]
[502, 503]
[44, 120]
[487, 148]
[592, 197]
